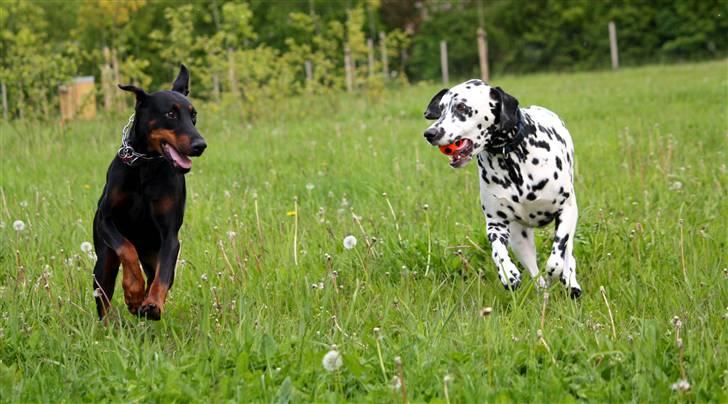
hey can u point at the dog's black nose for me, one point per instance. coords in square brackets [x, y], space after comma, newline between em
[432, 134]
[198, 146]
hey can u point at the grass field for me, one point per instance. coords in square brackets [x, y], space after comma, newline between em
[256, 304]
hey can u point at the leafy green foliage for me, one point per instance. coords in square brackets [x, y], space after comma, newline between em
[45, 43]
[528, 36]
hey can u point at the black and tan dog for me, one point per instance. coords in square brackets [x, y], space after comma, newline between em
[142, 206]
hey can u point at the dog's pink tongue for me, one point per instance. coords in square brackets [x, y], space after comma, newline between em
[180, 160]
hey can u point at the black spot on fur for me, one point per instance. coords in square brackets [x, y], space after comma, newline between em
[531, 196]
[540, 185]
[501, 214]
[558, 163]
[562, 244]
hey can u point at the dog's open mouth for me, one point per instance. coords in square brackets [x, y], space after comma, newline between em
[459, 152]
[179, 160]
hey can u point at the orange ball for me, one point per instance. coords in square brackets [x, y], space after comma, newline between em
[452, 148]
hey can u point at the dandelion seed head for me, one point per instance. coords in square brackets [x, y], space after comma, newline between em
[448, 378]
[332, 360]
[231, 234]
[310, 187]
[349, 242]
[203, 277]
[19, 225]
[396, 383]
[23, 204]
[86, 247]
[681, 385]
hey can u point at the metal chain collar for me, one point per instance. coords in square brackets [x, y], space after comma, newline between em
[126, 153]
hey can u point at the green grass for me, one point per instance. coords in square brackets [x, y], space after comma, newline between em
[651, 184]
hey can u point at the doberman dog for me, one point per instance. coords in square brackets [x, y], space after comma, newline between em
[142, 207]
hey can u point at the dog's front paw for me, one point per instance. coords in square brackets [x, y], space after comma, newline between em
[133, 300]
[150, 311]
[511, 280]
[575, 293]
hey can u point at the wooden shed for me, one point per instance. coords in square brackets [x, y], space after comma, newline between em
[78, 99]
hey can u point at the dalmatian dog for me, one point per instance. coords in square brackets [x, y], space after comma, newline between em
[526, 164]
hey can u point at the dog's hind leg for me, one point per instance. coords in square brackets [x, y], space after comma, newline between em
[523, 245]
[105, 272]
[561, 263]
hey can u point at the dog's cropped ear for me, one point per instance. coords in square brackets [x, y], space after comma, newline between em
[140, 94]
[508, 114]
[182, 82]
[433, 110]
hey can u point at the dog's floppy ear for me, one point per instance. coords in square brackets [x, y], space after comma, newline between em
[182, 82]
[433, 110]
[508, 114]
[140, 94]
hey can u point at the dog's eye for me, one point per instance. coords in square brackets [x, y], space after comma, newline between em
[194, 117]
[460, 107]
[171, 115]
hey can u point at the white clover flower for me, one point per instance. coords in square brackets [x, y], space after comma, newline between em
[349, 242]
[23, 204]
[332, 360]
[203, 277]
[86, 247]
[310, 187]
[18, 225]
[231, 234]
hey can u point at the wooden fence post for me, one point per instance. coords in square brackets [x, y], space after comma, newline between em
[370, 46]
[483, 54]
[231, 72]
[385, 58]
[308, 66]
[215, 87]
[107, 85]
[119, 101]
[613, 45]
[348, 70]
[5, 100]
[443, 62]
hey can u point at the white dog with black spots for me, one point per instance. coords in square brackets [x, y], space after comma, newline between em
[526, 164]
